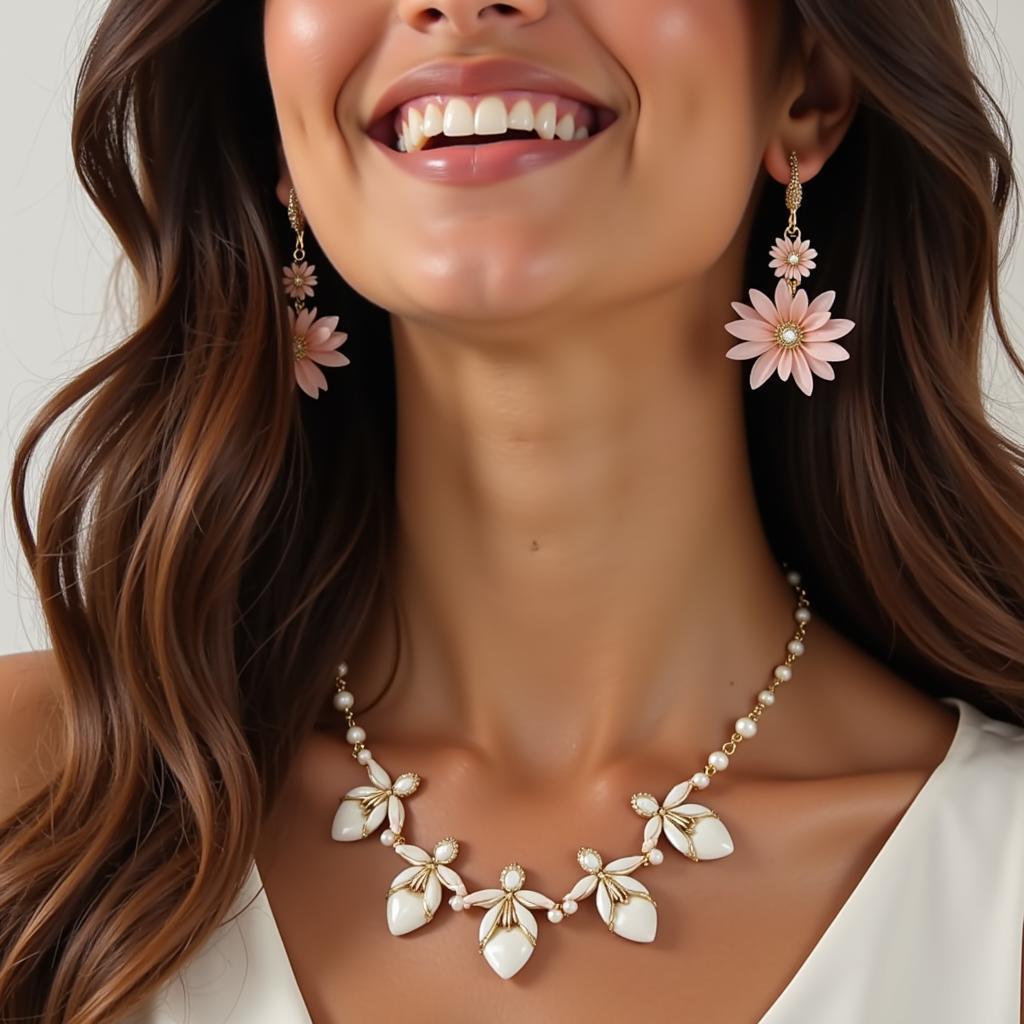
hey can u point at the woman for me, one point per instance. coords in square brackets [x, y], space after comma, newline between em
[612, 535]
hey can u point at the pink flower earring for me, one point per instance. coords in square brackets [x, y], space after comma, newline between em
[791, 334]
[313, 340]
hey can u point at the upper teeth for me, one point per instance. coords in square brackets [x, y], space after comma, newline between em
[455, 116]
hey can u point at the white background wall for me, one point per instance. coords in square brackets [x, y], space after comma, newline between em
[56, 252]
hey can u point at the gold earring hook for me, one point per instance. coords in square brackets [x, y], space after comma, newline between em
[298, 223]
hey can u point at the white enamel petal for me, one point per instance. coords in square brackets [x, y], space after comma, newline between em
[376, 816]
[483, 897]
[526, 919]
[631, 883]
[406, 784]
[432, 894]
[405, 912]
[358, 792]
[625, 864]
[413, 854]
[404, 876]
[449, 877]
[508, 949]
[652, 830]
[378, 775]
[677, 837]
[636, 919]
[677, 794]
[535, 899]
[583, 888]
[348, 822]
[396, 813]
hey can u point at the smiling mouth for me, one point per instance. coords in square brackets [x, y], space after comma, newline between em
[436, 122]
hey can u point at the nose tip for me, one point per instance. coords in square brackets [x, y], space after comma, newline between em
[464, 17]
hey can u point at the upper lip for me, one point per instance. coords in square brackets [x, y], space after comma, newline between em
[466, 78]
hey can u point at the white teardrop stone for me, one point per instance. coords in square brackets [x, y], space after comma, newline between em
[406, 912]
[507, 951]
[710, 837]
[348, 822]
[636, 919]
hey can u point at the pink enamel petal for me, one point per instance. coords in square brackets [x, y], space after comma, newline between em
[832, 330]
[749, 349]
[323, 328]
[329, 358]
[799, 307]
[764, 367]
[785, 364]
[745, 311]
[802, 372]
[764, 306]
[751, 330]
[812, 321]
[810, 254]
[819, 366]
[826, 350]
[331, 342]
[783, 300]
[310, 379]
[822, 303]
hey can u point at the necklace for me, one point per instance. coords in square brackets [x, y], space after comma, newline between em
[508, 930]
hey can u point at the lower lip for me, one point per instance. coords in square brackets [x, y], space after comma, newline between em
[486, 164]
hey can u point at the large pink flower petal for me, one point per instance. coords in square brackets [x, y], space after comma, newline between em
[799, 307]
[765, 366]
[751, 330]
[749, 349]
[826, 350]
[764, 306]
[812, 321]
[822, 303]
[783, 301]
[309, 377]
[832, 330]
[332, 341]
[785, 363]
[802, 373]
[745, 311]
[300, 323]
[819, 366]
[329, 358]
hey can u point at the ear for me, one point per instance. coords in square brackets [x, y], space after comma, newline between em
[284, 177]
[818, 101]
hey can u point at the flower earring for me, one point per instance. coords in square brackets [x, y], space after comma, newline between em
[313, 340]
[791, 334]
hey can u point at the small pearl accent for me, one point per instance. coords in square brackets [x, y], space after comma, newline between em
[456, 902]
[570, 906]
[355, 734]
[364, 756]
[802, 614]
[554, 915]
[795, 647]
[387, 837]
[701, 780]
[343, 700]
[655, 857]
[783, 673]
[342, 668]
[719, 760]
[766, 697]
[746, 727]
[793, 578]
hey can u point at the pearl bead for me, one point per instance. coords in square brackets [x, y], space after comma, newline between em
[783, 673]
[701, 780]
[364, 756]
[570, 906]
[554, 915]
[655, 856]
[766, 697]
[746, 727]
[802, 614]
[456, 902]
[387, 837]
[793, 579]
[795, 647]
[355, 734]
[342, 668]
[719, 760]
[343, 700]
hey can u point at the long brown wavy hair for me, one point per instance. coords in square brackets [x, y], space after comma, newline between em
[206, 541]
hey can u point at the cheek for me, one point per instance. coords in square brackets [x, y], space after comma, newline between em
[702, 125]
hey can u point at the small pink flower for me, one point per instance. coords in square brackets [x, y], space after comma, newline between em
[789, 335]
[299, 280]
[313, 341]
[792, 258]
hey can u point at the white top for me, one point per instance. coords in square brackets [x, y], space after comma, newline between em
[932, 932]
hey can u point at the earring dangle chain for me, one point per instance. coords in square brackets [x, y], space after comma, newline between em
[507, 934]
[313, 339]
[792, 335]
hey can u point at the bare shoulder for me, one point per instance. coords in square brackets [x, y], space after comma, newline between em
[30, 725]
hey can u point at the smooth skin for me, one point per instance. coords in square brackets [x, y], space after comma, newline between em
[588, 595]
